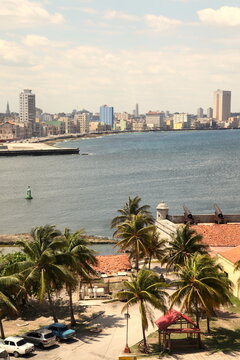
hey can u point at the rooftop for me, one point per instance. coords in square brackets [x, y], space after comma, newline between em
[110, 264]
[224, 235]
[232, 255]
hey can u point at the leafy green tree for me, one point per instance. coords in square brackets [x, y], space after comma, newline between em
[9, 286]
[41, 269]
[184, 244]
[201, 286]
[132, 207]
[144, 289]
[9, 259]
[79, 258]
[156, 247]
[134, 237]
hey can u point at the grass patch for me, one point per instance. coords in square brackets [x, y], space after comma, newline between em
[222, 339]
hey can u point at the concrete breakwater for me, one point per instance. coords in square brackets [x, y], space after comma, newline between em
[34, 149]
[11, 239]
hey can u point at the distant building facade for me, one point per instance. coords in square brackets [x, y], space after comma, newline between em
[181, 121]
[210, 112]
[200, 113]
[222, 105]
[107, 115]
[155, 119]
[27, 106]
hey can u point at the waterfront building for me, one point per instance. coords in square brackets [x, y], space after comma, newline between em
[27, 106]
[81, 120]
[139, 125]
[155, 120]
[181, 121]
[222, 105]
[200, 113]
[107, 115]
[210, 112]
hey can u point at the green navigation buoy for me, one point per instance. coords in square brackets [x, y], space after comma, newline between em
[29, 194]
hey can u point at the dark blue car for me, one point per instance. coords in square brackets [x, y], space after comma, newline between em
[61, 331]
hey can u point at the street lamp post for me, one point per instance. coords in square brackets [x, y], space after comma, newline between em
[127, 316]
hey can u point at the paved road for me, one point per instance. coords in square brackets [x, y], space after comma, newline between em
[106, 345]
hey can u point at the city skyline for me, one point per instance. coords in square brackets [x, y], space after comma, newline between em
[84, 53]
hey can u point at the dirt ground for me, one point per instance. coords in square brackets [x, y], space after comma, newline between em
[35, 315]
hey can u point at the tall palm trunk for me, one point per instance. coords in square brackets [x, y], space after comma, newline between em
[52, 307]
[149, 262]
[144, 335]
[208, 325]
[1, 329]
[73, 321]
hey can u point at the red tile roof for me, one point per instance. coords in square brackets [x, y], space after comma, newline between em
[170, 318]
[232, 255]
[109, 264]
[219, 234]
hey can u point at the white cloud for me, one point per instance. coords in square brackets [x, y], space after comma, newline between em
[113, 14]
[14, 54]
[32, 40]
[25, 13]
[161, 23]
[224, 16]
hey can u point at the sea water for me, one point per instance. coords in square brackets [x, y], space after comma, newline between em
[195, 168]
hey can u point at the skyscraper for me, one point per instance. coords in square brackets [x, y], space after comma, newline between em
[137, 111]
[221, 105]
[210, 112]
[107, 115]
[8, 109]
[200, 113]
[27, 106]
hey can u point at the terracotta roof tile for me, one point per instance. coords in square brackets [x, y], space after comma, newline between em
[232, 255]
[219, 234]
[109, 264]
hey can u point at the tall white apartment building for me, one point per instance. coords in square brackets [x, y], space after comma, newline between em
[221, 105]
[82, 122]
[27, 106]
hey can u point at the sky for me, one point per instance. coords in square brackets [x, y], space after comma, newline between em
[162, 54]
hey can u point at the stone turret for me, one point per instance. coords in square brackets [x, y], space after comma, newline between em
[162, 211]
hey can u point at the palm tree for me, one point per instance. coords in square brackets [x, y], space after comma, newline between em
[156, 247]
[144, 289]
[185, 243]
[79, 259]
[132, 207]
[201, 286]
[41, 270]
[9, 286]
[134, 236]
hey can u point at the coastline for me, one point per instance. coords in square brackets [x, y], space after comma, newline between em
[11, 239]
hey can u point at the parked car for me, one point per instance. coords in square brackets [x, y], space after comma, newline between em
[61, 331]
[41, 337]
[16, 345]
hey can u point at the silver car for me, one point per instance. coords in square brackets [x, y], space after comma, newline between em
[41, 337]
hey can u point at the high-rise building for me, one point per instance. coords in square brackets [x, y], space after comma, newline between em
[8, 109]
[200, 113]
[137, 111]
[27, 106]
[222, 105]
[210, 112]
[107, 115]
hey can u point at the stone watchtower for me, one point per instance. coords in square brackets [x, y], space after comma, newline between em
[162, 211]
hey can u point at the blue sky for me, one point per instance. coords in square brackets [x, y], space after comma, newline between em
[162, 54]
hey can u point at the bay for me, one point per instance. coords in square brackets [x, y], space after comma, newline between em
[196, 168]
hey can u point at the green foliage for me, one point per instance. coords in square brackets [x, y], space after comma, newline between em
[201, 285]
[144, 289]
[10, 259]
[132, 207]
[183, 245]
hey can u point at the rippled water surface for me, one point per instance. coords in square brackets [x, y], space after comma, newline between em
[197, 168]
